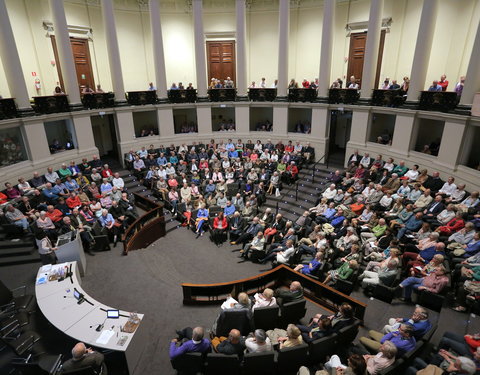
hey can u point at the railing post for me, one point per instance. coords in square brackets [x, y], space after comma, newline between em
[296, 192]
[276, 212]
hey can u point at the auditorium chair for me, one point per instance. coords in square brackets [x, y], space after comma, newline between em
[319, 349]
[265, 317]
[84, 371]
[393, 369]
[221, 364]
[429, 300]
[233, 319]
[262, 363]
[9, 301]
[45, 364]
[290, 359]
[346, 335]
[347, 286]
[429, 334]
[22, 343]
[292, 312]
[188, 363]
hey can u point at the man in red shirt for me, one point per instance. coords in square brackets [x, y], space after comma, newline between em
[443, 82]
[54, 214]
[306, 84]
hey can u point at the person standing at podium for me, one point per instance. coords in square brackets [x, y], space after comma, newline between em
[45, 248]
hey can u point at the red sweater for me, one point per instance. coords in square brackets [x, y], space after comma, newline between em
[452, 226]
[73, 202]
[218, 225]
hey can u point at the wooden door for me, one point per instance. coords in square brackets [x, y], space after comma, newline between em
[82, 61]
[356, 56]
[221, 60]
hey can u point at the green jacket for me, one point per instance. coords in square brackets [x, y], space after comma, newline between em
[344, 272]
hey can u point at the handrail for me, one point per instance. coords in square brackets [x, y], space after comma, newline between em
[314, 165]
[295, 185]
[315, 291]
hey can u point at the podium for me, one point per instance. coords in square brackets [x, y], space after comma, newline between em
[71, 250]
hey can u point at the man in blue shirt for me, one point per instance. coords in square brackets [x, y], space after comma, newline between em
[403, 339]
[210, 188]
[435, 86]
[229, 209]
[191, 341]
[162, 160]
[411, 225]
[49, 193]
[419, 321]
[337, 219]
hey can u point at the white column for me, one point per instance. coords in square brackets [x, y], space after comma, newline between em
[326, 49]
[200, 59]
[371, 48]
[283, 30]
[158, 53]
[65, 52]
[113, 50]
[241, 50]
[472, 80]
[423, 48]
[11, 62]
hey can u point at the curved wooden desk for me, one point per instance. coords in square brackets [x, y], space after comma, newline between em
[80, 321]
[315, 291]
[147, 228]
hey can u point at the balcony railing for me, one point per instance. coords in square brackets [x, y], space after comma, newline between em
[222, 95]
[141, 97]
[345, 96]
[101, 100]
[388, 98]
[8, 108]
[51, 104]
[302, 95]
[262, 95]
[443, 101]
[182, 96]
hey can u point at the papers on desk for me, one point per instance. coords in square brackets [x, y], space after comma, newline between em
[228, 303]
[104, 337]
[46, 268]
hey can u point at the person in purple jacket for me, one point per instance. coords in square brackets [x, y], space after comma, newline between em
[191, 340]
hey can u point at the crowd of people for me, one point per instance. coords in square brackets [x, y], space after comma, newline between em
[387, 84]
[232, 176]
[378, 222]
[89, 198]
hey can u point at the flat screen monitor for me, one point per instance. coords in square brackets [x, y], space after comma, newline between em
[113, 314]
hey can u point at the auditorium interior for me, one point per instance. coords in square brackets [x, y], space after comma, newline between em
[295, 180]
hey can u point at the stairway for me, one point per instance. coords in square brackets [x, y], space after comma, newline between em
[307, 194]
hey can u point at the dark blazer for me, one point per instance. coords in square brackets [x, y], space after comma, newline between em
[434, 184]
[269, 220]
[279, 226]
[439, 208]
[94, 360]
[238, 222]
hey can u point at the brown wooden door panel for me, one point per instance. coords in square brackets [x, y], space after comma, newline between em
[221, 60]
[356, 56]
[82, 61]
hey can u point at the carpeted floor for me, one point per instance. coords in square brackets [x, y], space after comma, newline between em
[148, 281]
